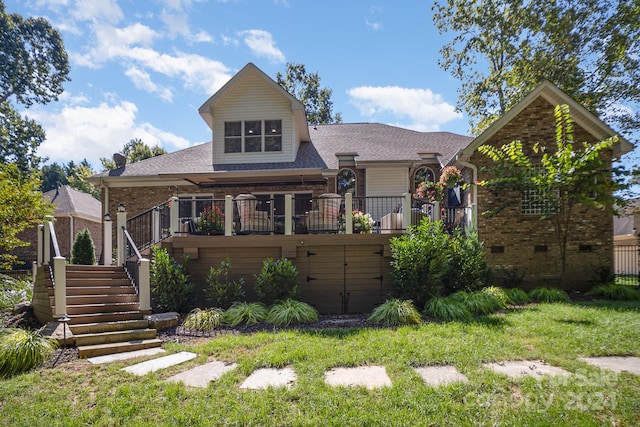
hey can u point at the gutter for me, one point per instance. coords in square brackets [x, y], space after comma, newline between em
[474, 209]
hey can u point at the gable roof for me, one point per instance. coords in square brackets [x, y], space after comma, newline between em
[250, 69]
[69, 201]
[580, 115]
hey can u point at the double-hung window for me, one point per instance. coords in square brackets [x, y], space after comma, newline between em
[253, 136]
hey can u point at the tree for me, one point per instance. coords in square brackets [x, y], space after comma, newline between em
[83, 251]
[306, 88]
[134, 150]
[71, 174]
[502, 49]
[19, 139]
[21, 207]
[557, 180]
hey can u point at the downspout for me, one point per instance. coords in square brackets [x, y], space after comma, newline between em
[71, 235]
[474, 168]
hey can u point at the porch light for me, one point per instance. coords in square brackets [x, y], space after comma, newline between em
[107, 217]
[121, 207]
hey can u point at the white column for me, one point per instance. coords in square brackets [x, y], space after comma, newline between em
[228, 215]
[348, 213]
[121, 221]
[406, 211]
[288, 213]
[47, 240]
[60, 286]
[144, 285]
[40, 252]
[155, 225]
[174, 214]
[107, 242]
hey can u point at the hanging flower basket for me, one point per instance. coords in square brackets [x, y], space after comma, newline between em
[450, 176]
[430, 191]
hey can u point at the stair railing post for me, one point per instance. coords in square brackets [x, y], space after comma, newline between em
[156, 227]
[348, 213]
[60, 286]
[107, 240]
[174, 214]
[121, 222]
[228, 215]
[40, 251]
[406, 211]
[47, 241]
[144, 285]
[288, 214]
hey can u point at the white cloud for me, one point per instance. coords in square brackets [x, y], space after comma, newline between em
[424, 110]
[78, 132]
[373, 25]
[97, 11]
[142, 81]
[261, 44]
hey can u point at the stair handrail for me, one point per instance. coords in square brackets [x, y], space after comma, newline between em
[138, 270]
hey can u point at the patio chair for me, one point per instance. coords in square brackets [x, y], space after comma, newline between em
[326, 217]
[251, 220]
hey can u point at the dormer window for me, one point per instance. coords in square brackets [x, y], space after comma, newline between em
[253, 136]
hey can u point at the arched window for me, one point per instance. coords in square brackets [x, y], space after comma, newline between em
[423, 174]
[346, 182]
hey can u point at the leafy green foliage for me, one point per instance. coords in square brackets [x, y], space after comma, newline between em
[14, 291]
[419, 260]
[498, 293]
[170, 284]
[291, 311]
[306, 88]
[478, 302]
[546, 294]
[467, 267]
[203, 320]
[396, 312]
[134, 151]
[21, 207]
[20, 138]
[518, 296]
[71, 174]
[83, 251]
[22, 350]
[278, 280]
[616, 292]
[222, 292]
[245, 313]
[447, 308]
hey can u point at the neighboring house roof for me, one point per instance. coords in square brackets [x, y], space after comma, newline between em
[624, 224]
[580, 115]
[69, 201]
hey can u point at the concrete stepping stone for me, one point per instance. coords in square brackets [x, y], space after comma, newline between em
[268, 377]
[523, 368]
[440, 375]
[153, 365]
[615, 363]
[202, 375]
[370, 377]
[125, 356]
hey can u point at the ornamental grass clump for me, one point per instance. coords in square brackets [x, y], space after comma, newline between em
[478, 302]
[13, 292]
[203, 320]
[22, 350]
[396, 312]
[549, 295]
[499, 294]
[245, 313]
[447, 308]
[518, 296]
[616, 292]
[291, 311]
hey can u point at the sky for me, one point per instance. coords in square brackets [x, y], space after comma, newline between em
[140, 69]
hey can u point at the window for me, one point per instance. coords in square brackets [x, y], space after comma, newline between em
[423, 174]
[253, 136]
[346, 182]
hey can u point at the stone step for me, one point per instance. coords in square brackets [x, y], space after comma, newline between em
[118, 347]
[108, 358]
[101, 299]
[104, 317]
[130, 335]
[153, 365]
[108, 307]
[92, 328]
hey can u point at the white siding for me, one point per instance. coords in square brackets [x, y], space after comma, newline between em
[385, 181]
[254, 100]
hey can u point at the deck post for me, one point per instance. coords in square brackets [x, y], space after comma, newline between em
[121, 222]
[40, 251]
[228, 215]
[348, 213]
[60, 286]
[46, 254]
[144, 285]
[156, 225]
[174, 214]
[406, 211]
[288, 212]
[107, 242]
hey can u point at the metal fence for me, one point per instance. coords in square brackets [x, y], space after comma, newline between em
[626, 263]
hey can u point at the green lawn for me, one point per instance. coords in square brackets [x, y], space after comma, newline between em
[82, 394]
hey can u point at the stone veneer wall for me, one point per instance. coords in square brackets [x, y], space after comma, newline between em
[516, 241]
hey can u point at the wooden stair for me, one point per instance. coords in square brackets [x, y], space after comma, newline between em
[104, 314]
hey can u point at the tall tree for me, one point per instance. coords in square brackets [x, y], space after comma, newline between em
[21, 206]
[557, 179]
[306, 88]
[20, 138]
[501, 49]
[134, 150]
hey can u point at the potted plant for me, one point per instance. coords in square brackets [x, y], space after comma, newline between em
[450, 176]
[362, 222]
[430, 191]
[211, 220]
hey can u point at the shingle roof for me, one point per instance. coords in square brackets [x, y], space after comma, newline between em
[372, 142]
[68, 200]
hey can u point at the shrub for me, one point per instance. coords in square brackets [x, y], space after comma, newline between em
[291, 311]
[511, 278]
[518, 296]
[498, 293]
[13, 291]
[169, 281]
[447, 309]
[222, 292]
[419, 260]
[83, 251]
[22, 350]
[549, 295]
[247, 313]
[278, 280]
[203, 320]
[466, 268]
[396, 312]
[616, 292]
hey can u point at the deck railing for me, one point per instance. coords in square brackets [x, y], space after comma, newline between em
[150, 227]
